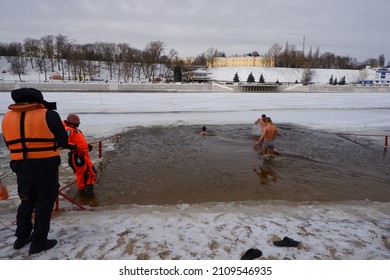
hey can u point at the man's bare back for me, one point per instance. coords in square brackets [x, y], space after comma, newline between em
[269, 134]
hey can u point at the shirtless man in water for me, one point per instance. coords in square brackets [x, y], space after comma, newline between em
[269, 133]
[261, 121]
[204, 131]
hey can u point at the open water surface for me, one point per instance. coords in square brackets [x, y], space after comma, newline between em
[174, 164]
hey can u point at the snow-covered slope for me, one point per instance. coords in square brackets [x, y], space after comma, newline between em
[283, 75]
[270, 74]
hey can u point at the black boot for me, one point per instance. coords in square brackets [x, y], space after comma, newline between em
[39, 246]
[89, 190]
[20, 242]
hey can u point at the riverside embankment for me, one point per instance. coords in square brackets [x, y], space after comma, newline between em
[179, 87]
[114, 87]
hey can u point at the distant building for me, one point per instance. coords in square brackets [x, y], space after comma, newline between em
[55, 76]
[381, 77]
[197, 76]
[236, 61]
[188, 60]
[242, 61]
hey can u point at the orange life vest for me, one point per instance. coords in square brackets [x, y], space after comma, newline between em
[27, 134]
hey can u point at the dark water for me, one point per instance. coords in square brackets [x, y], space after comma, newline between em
[169, 165]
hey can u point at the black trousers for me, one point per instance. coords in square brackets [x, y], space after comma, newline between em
[37, 193]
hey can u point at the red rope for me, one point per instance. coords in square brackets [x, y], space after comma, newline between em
[106, 138]
[7, 227]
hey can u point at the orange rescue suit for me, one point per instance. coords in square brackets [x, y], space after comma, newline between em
[79, 158]
[31, 138]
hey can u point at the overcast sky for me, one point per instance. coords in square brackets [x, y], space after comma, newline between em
[357, 28]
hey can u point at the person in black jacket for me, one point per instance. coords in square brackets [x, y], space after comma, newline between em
[33, 132]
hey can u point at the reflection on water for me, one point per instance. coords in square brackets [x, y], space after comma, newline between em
[169, 165]
[266, 173]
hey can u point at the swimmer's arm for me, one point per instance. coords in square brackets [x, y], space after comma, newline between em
[261, 137]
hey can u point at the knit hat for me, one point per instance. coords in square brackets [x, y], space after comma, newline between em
[25, 95]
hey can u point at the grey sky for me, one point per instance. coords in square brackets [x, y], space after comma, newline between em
[355, 28]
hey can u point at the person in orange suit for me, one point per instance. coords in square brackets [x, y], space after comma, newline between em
[79, 159]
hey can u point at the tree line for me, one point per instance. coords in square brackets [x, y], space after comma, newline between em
[59, 54]
[290, 57]
[125, 63]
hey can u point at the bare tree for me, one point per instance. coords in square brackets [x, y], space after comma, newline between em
[328, 60]
[67, 56]
[151, 56]
[43, 65]
[169, 61]
[126, 59]
[381, 60]
[293, 59]
[18, 62]
[48, 48]
[273, 52]
[71, 61]
[200, 60]
[100, 56]
[108, 53]
[89, 57]
[32, 48]
[60, 50]
[211, 54]
[309, 58]
[373, 62]
[76, 63]
[315, 63]
[288, 57]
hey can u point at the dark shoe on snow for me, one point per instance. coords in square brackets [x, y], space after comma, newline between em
[37, 247]
[286, 242]
[252, 254]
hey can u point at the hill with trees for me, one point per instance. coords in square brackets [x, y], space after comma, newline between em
[71, 61]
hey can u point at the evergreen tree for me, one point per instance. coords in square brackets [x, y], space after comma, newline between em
[331, 80]
[177, 74]
[296, 81]
[335, 81]
[277, 81]
[251, 79]
[261, 80]
[342, 81]
[236, 79]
